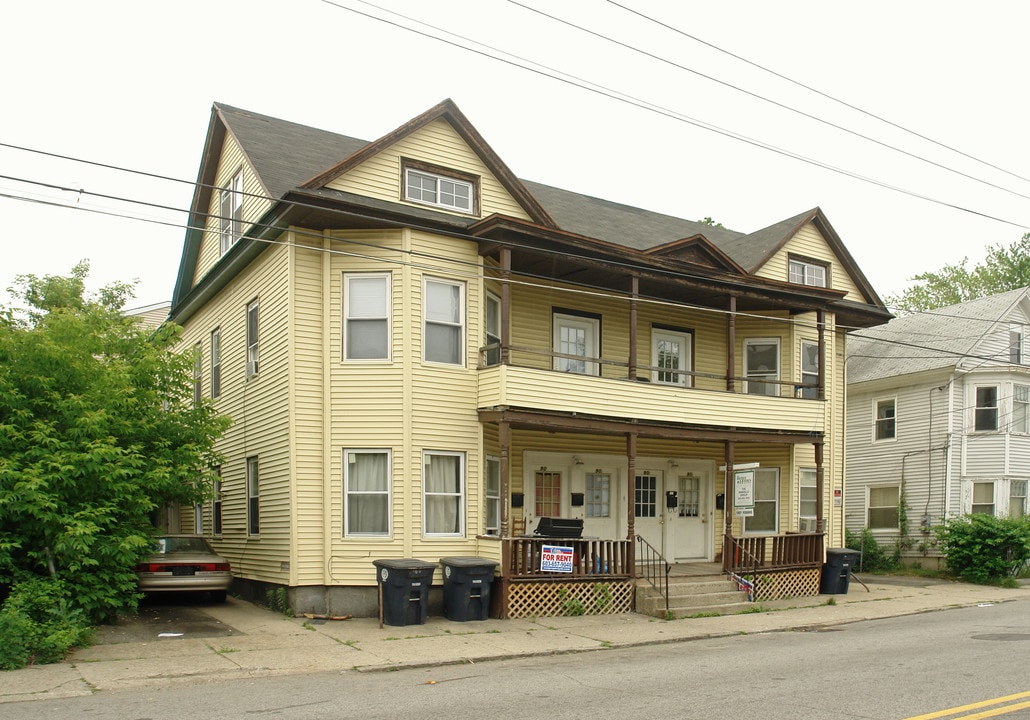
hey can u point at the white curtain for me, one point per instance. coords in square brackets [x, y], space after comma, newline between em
[368, 496]
[443, 494]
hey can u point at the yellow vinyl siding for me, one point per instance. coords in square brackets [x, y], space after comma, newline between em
[436, 143]
[254, 204]
[809, 243]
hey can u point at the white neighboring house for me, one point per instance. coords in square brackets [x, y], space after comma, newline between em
[938, 420]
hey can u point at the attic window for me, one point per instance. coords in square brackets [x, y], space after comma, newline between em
[440, 188]
[806, 272]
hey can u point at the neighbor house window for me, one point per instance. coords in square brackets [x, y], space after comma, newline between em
[492, 494]
[216, 504]
[1021, 408]
[216, 362]
[443, 482]
[252, 338]
[883, 507]
[986, 412]
[598, 495]
[576, 340]
[1016, 344]
[671, 356]
[366, 492]
[444, 327]
[983, 498]
[493, 330]
[886, 419]
[804, 272]
[1017, 498]
[547, 493]
[198, 370]
[366, 317]
[762, 363]
[253, 497]
[767, 502]
[809, 370]
[230, 213]
[444, 191]
[808, 499]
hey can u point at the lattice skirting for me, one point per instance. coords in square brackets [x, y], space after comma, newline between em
[787, 584]
[534, 598]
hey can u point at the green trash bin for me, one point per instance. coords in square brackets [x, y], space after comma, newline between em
[404, 590]
[466, 587]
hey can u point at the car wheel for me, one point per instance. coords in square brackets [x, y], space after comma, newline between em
[218, 596]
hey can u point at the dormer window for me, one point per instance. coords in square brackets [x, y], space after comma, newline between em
[440, 188]
[806, 272]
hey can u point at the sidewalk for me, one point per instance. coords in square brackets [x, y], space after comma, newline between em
[254, 641]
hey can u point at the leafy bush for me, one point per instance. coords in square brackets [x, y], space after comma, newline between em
[985, 549]
[39, 625]
[874, 557]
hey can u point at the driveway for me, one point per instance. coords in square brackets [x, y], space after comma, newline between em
[165, 617]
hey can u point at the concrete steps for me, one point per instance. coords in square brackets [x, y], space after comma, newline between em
[692, 595]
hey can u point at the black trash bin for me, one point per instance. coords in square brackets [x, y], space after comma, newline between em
[466, 587]
[837, 571]
[404, 590]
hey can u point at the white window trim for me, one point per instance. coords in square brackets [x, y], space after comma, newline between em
[388, 278]
[686, 357]
[460, 324]
[230, 220]
[776, 526]
[253, 343]
[216, 362]
[347, 493]
[1024, 390]
[868, 491]
[813, 475]
[438, 177]
[253, 497]
[488, 499]
[802, 269]
[977, 407]
[994, 496]
[1016, 342]
[813, 388]
[593, 327]
[765, 377]
[491, 317]
[426, 454]
[876, 409]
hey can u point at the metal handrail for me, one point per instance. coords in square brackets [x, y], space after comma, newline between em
[650, 559]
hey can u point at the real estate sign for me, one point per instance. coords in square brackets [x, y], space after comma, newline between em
[744, 492]
[556, 558]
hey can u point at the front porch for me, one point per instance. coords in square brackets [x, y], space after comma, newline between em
[605, 573]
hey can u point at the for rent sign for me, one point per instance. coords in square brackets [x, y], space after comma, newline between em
[555, 558]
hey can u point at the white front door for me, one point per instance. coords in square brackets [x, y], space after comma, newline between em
[648, 510]
[673, 513]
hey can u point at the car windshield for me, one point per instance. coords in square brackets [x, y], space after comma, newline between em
[169, 545]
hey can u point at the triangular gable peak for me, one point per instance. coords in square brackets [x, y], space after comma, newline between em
[697, 250]
[447, 112]
[807, 237]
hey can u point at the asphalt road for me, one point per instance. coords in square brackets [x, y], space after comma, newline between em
[893, 669]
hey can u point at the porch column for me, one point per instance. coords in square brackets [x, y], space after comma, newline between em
[727, 511]
[505, 308]
[504, 440]
[631, 506]
[731, 344]
[634, 293]
[820, 321]
[819, 487]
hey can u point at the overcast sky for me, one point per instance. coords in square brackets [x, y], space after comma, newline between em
[130, 84]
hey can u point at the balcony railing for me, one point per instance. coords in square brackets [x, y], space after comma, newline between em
[591, 557]
[768, 553]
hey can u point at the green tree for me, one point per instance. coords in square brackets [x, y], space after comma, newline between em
[98, 429]
[1004, 268]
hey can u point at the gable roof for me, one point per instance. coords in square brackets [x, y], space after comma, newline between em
[934, 340]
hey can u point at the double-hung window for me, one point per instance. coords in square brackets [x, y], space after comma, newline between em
[985, 415]
[216, 503]
[671, 357]
[198, 369]
[366, 316]
[216, 362]
[443, 483]
[440, 190]
[762, 363]
[576, 343]
[230, 213]
[252, 338]
[253, 498]
[806, 272]
[882, 507]
[366, 492]
[1016, 344]
[444, 326]
[493, 330]
[1020, 409]
[492, 496]
[1017, 498]
[809, 370]
[885, 426]
[983, 498]
[767, 502]
[808, 500]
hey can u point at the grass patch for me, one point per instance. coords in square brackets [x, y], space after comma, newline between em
[710, 613]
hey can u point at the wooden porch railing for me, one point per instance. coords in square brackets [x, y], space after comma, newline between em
[766, 553]
[591, 557]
